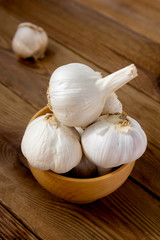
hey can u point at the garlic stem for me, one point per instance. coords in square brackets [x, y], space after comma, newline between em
[118, 79]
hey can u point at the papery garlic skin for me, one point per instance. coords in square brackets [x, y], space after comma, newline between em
[114, 140]
[77, 93]
[30, 41]
[49, 145]
[80, 130]
[112, 105]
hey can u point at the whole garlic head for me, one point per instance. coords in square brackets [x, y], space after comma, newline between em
[30, 41]
[49, 145]
[114, 140]
[112, 105]
[77, 93]
[104, 171]
[85, 168]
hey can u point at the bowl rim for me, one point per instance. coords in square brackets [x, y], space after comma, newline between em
[94, 179]
[70, 179]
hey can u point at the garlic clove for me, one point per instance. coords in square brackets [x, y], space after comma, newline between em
[85, 168]
[49, 145]
[77, 93]
[30, 41]
[113, 140]
[112, 105]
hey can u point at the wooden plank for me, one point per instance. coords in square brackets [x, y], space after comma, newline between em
[105, 42]
[29, 80]
[15, 115]
[11, 228]
[146, 170]
[141, 16]
[129, 213]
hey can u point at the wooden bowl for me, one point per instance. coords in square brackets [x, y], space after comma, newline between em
[80, 190]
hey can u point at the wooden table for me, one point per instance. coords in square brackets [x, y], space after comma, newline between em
[106, 35]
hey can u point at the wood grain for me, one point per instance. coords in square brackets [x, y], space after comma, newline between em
[146, 170]
[105, 42]
[15, 114]
[141, 16]
[129, 213]
[31, 83]
[29, 79]
[11, 228]
[37, 81]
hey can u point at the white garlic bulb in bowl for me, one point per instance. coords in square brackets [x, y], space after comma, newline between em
[49, 145]
[114, 140]
[104, 171]
[77, 93]
[30, 40]
[85, 169]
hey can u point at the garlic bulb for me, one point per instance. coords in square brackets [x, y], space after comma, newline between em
[103, 171]
[48, 144]
[112, 105]
[30, 41]
[85, 168]
[113, 140]
[77, 93]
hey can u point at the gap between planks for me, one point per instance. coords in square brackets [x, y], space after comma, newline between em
[11, 227]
